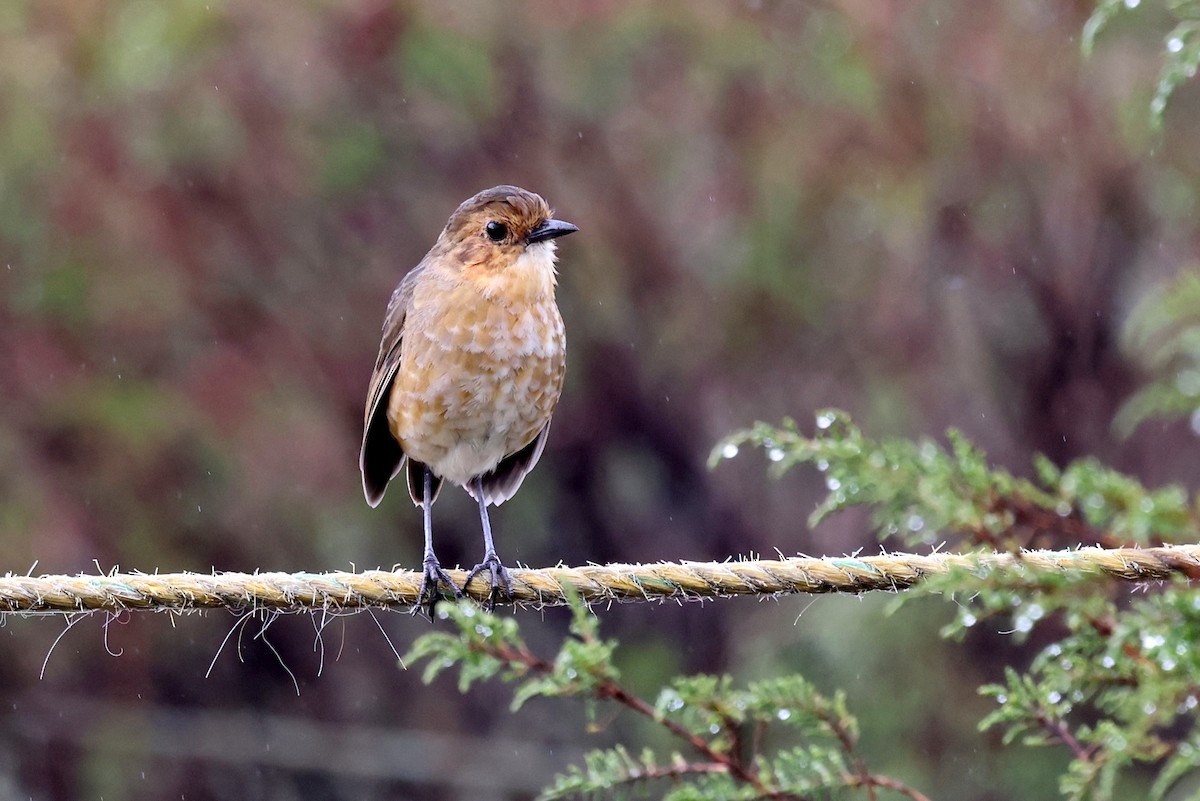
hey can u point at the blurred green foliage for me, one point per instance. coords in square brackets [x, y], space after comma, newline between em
[729, 734]
[922, 492]
[934, 214]
[1112, 680]
[1182, 44]
[1163, 334]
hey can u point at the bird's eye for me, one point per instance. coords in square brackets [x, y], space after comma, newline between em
[496, 231]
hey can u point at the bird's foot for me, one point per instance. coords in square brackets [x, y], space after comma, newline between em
[499, 576]
[428, 596]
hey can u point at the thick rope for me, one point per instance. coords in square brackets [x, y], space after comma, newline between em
[345, 592]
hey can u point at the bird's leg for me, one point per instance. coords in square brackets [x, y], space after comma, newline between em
[491, 562]
[433, 573]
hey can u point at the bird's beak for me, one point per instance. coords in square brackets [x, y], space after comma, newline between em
[550, 229]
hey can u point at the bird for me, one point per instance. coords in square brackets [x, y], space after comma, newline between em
[470, 369]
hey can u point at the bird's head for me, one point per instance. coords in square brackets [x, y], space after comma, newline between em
[504, 229]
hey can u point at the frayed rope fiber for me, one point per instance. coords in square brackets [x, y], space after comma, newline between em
[345, 591]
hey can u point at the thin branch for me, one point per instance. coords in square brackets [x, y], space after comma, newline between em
[717, 761]
[1057, 728]
[887, 783]
[609, 689]
[684, 769]
[846, 740]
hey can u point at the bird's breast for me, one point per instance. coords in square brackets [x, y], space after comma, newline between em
[478, 378]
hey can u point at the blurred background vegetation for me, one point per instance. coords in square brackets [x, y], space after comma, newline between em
[930, 213]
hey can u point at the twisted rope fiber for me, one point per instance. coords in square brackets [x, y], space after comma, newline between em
[345, 591]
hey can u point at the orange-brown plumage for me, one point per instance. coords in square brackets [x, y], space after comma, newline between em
[471, 363]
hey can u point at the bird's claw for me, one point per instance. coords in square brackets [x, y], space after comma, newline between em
[433, 575]
[499, 578]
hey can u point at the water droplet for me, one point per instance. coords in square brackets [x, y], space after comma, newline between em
[1132, 3]
[1174, 44]
[832, 484]
[729, 451]
[915, 523]
[1001, 699]
[775, 455]
[1152, 642]
[967, 619]
[1188, 382]
[1108, 662]
[1054, 696]
[783, 714]
[824, 420]
[1063, 509]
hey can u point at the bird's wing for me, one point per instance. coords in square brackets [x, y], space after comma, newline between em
[416, 483]
[381, 456]
[502, 482]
